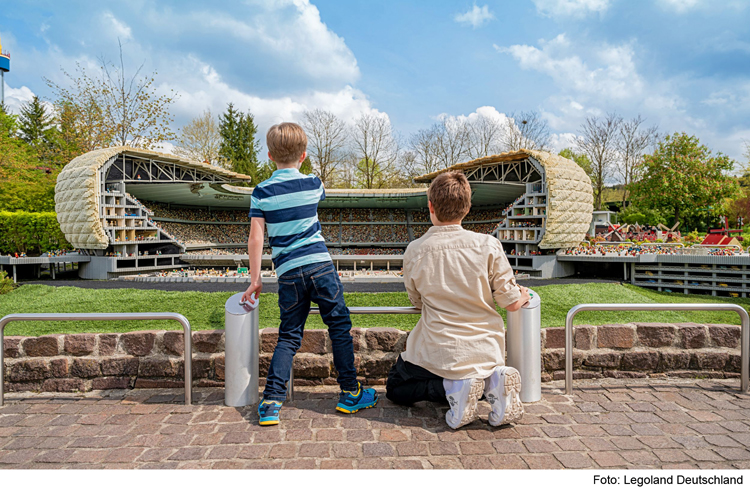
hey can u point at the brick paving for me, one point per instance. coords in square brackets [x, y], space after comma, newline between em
[610, 424]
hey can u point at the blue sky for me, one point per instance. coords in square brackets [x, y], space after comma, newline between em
[682, 64]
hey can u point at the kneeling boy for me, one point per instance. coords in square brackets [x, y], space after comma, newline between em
[457, 349]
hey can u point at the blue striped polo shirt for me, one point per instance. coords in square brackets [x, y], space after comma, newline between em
[288, 201]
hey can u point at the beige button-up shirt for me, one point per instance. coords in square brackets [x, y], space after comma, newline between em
[453, 275]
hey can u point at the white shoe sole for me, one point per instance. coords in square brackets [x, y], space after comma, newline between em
[470, 411]
[507, 409]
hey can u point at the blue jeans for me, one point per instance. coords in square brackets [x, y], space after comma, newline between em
[319, 283]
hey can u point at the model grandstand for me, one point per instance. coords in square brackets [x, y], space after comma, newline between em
[134, 211]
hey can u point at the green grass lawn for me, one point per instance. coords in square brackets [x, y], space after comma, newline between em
[205, 310]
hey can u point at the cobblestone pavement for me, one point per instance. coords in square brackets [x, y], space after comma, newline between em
[606, 424]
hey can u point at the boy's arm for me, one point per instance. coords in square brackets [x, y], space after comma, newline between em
[414, 296]
[254, 252]
[507, 293]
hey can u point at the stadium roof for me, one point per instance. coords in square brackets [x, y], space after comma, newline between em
[515, 155]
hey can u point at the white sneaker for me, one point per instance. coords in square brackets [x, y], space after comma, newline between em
[463, 396]
[503, 392]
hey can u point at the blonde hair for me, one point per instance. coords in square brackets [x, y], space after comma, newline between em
[286, 142]
[450, 195]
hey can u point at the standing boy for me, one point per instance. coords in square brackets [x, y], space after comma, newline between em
[456, 352]
[288, 204]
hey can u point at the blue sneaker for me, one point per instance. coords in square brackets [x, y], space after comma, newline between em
[354, 401]
[268, 411]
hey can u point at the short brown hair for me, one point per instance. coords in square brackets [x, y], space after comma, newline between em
[286, 142]
[450, 194]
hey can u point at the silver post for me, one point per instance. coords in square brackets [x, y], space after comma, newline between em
[290, 388]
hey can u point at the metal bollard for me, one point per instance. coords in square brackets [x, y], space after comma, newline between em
[523, 340]
[241, 353]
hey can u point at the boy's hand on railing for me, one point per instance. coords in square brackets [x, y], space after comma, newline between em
[254, 289]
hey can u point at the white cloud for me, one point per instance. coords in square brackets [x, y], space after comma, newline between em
[571, 8]
[560, 141]
[286, 33]
[118, 28]
[475, 17]
[16, 97]
[613, 74]
[200, 86]
[680, 6]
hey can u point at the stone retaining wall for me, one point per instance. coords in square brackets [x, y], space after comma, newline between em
[153, 358]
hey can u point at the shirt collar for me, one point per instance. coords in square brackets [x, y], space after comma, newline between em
[445, 228]
[287, 172]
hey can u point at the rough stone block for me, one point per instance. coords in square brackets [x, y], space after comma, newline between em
[385, 339]
[615, 336]
[584, 337]
[673, 360]
[314, 341]
[554, 337]
[107, 344]
[119, 366]
[693, 335]
[640, 360]
[173, 342]
[656, 335]
[58, 367]
[708, 360]
[110, 383]
[207, 341]
[734, 363]
[85, 368]
[376, 367]
[555, 359]
[604, 360]
[201, 368]
[28, 370]
[79, 344]
[309, 366]
[46, 345]
[219, 367]
[357, 335]
[141, 383]
[724, 336]
[12, 347]
[139, 343]
[268, 338]
[153, 367]
[63, 385]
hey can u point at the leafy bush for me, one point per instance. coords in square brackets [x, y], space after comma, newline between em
[6, 284]
[32, 233]
[632, 215]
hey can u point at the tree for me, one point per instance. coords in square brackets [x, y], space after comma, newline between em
[485, 137]
[632, 143]
[200, 140]
[681, 176]
[452, 139]
[35, 123]
[598, 140]
[306, 167]
[25, 184]
[327, 137]
[581, 160]
[114, 108]
[424, 151]
[239, 148]
[526, 130]
[375, 150]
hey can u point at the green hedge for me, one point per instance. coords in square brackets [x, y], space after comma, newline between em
[32, 233]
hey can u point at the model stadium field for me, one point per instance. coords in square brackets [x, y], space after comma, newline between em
[205, 310]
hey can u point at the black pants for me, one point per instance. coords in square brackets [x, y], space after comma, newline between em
[408, 383]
